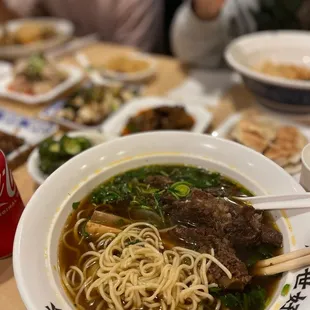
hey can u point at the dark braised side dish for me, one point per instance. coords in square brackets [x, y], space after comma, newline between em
[194, 209]
[162, 118]
[9, 143]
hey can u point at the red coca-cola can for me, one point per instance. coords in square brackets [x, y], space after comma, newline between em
[11, 208]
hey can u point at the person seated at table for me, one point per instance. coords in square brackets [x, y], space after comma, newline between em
[130, 22]
[202, 28]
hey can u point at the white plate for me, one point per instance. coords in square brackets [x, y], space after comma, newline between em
[135, 76]
[75, 75]
[51, 113]
[31, 130]
[223, 130]
[63, 27]
[116, 123]
[33, 160]
[51, 204]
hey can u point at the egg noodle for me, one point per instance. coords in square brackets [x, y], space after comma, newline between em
[133, 270]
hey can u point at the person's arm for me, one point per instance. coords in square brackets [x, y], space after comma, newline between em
[5, 13]
[139, 23]
[21, 7]
[202, 29]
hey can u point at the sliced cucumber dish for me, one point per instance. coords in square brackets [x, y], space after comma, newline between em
[55, 152]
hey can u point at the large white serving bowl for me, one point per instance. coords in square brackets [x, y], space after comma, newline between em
[39, 230]
[283, 47]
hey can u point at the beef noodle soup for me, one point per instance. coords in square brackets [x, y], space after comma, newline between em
[167, 237]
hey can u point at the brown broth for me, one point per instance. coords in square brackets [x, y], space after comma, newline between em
[68, 258]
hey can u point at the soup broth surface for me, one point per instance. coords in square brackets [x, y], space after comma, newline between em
[171, 197]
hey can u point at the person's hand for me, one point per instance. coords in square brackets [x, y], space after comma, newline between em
[207, 9]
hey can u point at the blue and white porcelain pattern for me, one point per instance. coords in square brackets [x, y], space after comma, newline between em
[283, 47]
[31, 130]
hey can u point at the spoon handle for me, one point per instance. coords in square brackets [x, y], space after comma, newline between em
[286, 205]
[276, 202]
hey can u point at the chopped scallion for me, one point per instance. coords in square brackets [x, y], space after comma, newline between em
[180, 189]
[285, 289]
[75, 205]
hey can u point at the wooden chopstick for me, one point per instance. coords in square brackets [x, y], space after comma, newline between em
[282, 263]
[283, 258]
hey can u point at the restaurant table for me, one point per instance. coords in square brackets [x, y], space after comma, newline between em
[169, 75]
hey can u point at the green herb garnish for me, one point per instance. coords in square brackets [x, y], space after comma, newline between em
[82, 230]
[180, 189]
[158, 207]
[285, 289]
[75, 205]
[214, 290]
[131, 189]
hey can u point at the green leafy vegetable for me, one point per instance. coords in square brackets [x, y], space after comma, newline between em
[253, 299]
[285, 289]
[263, 251]
[232, 301]
[215, 290]
[75, 205]
[146, 189]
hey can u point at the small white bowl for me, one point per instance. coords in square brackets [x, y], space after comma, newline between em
[305, 168]
[134, 76]
[285, 47]
[33, 160]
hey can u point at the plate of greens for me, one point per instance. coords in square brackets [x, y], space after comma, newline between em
[55, 151]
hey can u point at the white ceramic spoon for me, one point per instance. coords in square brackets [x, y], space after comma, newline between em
[276, 202]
